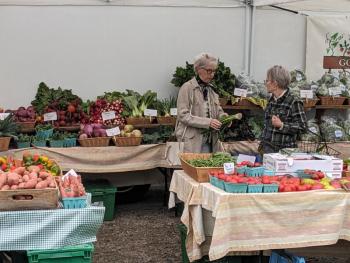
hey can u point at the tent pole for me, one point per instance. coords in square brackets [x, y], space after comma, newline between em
[247, 38]
[252, 42]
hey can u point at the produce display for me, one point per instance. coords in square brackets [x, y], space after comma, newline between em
[100, 106]
[71, 186]
[33, 172]
[23, 114]
[129, 131]
[217, 160]
[92, 130]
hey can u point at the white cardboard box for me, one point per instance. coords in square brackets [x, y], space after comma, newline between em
[289, 164]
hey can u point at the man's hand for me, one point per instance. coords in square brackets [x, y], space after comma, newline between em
[215, 124]
[276, 122]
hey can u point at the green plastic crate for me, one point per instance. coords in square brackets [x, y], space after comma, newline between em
[102, 191]
[183, 233]
[73, 254]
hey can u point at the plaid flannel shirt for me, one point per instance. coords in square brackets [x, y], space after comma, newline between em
[291, 112]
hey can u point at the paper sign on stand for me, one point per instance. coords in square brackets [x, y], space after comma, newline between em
[240, 92]
[307, 94]
[108, 115]
[50, 116]
[71, 172]
[113, 131]
[173, 111]
[244, 157]
[4, 115]
[150, 112]
[229, 168]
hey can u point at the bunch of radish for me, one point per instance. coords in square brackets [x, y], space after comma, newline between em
[31, 177]
[71, 186]
[102, 105]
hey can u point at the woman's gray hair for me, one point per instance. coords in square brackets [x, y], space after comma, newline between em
[280, 75]
[203, 59]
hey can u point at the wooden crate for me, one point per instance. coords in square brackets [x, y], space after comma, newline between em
[200, 174]
[37, 199]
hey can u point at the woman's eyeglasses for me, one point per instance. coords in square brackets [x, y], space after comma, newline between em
[209, 71]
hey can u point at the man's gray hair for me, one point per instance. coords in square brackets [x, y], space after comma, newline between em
[280, 75]
[203, 59]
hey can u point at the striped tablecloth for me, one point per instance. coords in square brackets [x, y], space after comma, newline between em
[250, 222]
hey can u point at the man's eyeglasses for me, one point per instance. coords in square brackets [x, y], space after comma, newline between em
[209, 71]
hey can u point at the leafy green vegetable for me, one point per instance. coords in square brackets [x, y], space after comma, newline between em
[163, 106]
[217, 160]
[136, 104]
[8, 127]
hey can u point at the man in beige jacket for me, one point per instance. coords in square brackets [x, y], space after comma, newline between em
[198, 108]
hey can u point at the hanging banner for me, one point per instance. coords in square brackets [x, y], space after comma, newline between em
[327, 44]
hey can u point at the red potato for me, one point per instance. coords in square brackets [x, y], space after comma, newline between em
[39, 180]
[26, 173]
[41, 185]
[13, 179]
[19, 170]
[31, 184]
[5, 187]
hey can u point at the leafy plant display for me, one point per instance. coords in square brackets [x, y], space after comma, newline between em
[63, 102]
[161, 135]
[163, 106]
[136, 103]
[299, 82]
[331, 130]
[57, 136]
[8, 127]
[330, 81]
[217, 160]
[346, 126]
[313, 133]
[224, 80]
[239, 131]
[256, 125]
[43, 127]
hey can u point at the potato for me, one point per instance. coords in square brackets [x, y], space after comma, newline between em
[5, 187]
[19, 170]
[25, 178]
[13, 179]
[3, 180]
[41, 185]
[34, 168]
[31, 184]
[14, 187]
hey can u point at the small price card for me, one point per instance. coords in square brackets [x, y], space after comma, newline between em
[108, 115]
[240, 92]
[307, 94]
[50, 116]
[334, 91]
[173, 111]
[338, 133]
[3, 116]
[150, 112]
[113, 131]
[229, 168]
[71, 172]
[313, 129]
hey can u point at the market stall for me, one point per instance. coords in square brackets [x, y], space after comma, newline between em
[251, 222]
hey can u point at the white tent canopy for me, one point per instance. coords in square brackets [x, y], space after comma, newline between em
[330, 6]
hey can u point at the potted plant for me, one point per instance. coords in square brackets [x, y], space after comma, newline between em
[24, 141]
[44, 131]
[163, 108]
[8, 130]
[56, 140]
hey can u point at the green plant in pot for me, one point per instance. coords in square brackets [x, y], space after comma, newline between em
[8, 130]
[224, 81]
[24, 141]
[57, 139]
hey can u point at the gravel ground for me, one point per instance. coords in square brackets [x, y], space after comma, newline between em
[146, 231]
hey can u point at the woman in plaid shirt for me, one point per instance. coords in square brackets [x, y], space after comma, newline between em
[285, 118]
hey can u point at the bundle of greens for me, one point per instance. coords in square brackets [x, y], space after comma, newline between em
[163, 106]
[256, 124]
[332, 132]
[136, 103]
[217, 160]
[346, 126]
[313, 133]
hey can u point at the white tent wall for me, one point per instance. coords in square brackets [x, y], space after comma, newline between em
[92, 49]
[280, 39]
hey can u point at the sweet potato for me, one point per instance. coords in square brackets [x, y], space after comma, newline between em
[19, 170]
[33, 175]
[34, 168]
[39, 180]
[43, 174]
[21, 185]
[52, 185]
[31, 184]
[26, 173]
[13, 179]
[3, 180]
[41, 185]
[5, 187]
